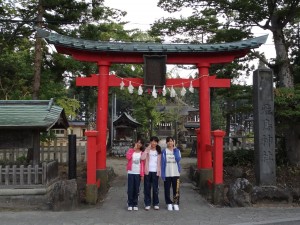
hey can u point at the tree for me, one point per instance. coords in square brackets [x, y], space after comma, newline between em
[230, 19]
[19, 17]
[274, 16]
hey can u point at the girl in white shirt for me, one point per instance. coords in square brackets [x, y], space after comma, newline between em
[152, 157]
[170, 172]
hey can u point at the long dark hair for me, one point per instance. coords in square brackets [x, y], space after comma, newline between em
[142, 148]
[154, 138]
[158, 148]
[170, 138]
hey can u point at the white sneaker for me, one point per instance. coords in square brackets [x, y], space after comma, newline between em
[156, 207]
[147, 208]
[176, 207]
[130, 208]
[135, 208]
[170, 207]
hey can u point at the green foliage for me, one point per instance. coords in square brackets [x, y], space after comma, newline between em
[218, 121]
[15, 74]
[47, 137]
[243, 157]
[235, 104]
[84, 19]
[21, 160]
[142, 107]
[70, 106]
[281, 153]
[239, 158]
[104, 32]
[230, 20]
[287, 104]
[194, 28]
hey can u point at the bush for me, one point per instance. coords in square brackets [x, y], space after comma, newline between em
[240, 157]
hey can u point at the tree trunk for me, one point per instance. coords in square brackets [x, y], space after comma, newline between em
[38, 56]
[293, 144]
[283, 63]
[284, 73]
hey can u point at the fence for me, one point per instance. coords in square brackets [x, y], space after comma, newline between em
[238, 142]
[58, 151]
[28, 176]
[119, 148]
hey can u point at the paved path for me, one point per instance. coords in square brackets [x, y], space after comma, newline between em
[194, 210]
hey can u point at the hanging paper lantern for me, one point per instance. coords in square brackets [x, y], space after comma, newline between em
[140, 90]
[191, 88]
[172, 93]
[130, 88]
[154, 94]
[122, 85]
[164, 91]
[183, 91]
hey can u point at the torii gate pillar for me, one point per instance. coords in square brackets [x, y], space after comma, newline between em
[101, 124]
[204, 156]
[102, 114]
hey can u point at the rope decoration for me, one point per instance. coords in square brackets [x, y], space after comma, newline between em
[158, 90]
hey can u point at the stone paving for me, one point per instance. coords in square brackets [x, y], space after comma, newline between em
[194, 210]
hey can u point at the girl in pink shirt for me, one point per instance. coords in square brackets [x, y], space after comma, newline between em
[135, 173]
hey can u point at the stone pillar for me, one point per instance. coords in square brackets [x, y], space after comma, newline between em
[264, 127]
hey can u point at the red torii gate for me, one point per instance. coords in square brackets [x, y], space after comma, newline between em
[114, 81]
[107, 53]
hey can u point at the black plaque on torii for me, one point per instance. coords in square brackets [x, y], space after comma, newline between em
[155, 70]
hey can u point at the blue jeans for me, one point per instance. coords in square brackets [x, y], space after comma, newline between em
[151, 181]
[133, 182]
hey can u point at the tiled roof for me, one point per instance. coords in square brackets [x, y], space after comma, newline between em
[146, 47]
[36, 114]
[125, 119]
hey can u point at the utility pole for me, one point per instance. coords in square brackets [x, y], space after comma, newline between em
[113, 117]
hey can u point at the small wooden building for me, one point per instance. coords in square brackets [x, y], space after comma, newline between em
[125, 127]
[22, 121]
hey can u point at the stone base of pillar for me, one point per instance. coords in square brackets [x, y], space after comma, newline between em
[218, 194]
[91, 193]
[102, 175]
[204, 175]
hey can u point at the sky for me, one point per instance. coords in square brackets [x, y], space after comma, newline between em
[142, 13]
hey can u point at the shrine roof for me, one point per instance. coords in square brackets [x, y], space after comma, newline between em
[126, 120]
[31, 114]
[146, 47]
